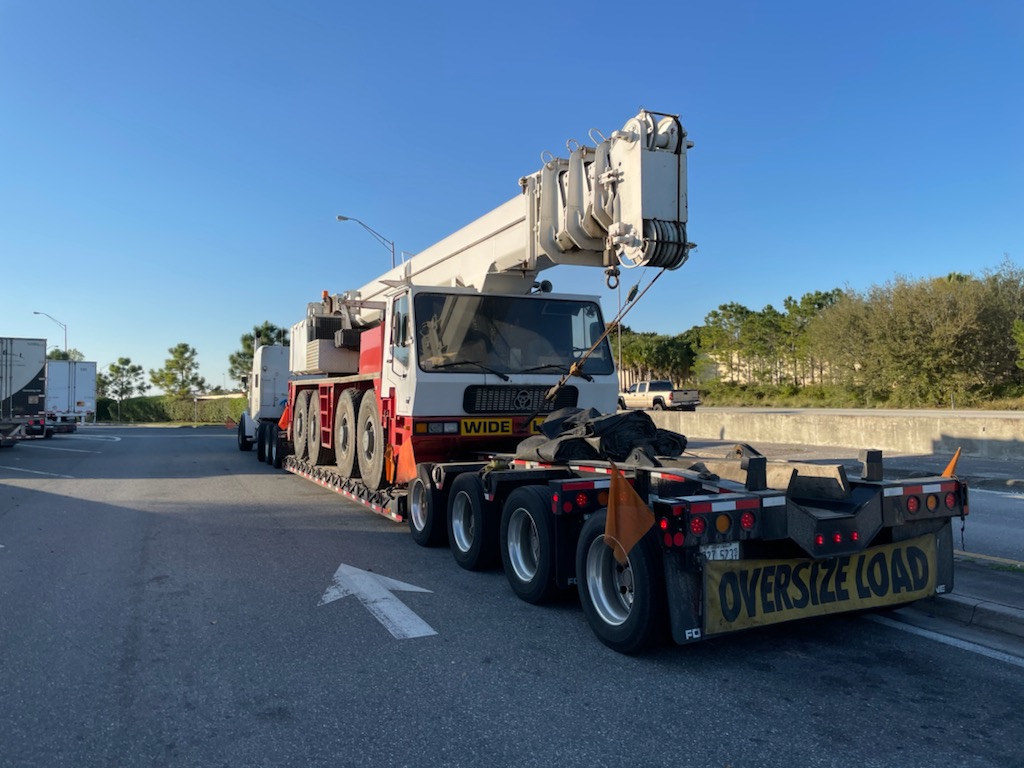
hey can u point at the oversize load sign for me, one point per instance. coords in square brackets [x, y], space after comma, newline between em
[751, 593]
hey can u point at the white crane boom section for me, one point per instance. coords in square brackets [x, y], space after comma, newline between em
[621, 202]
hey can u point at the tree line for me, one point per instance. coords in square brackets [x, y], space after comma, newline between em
[932, 342]
[179, 377]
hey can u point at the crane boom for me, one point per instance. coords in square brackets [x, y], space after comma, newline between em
[621, 202]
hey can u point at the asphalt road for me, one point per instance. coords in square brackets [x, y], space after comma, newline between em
[162, 603]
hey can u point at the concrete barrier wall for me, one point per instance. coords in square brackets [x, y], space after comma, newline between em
[988, 434]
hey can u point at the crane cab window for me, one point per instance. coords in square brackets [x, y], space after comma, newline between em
[471, 333]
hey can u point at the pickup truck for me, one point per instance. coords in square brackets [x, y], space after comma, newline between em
[659, 395]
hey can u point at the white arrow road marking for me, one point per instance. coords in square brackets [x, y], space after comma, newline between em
[374, 591]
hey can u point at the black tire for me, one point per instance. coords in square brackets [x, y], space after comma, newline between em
[346, 432]
[659, 406]
[527, 544]
[273, 445]
[624, 605]
[622, 405]
[428, 519]
[300, 424]
[261, 441]
[244, 443]
[319, 455]
[472, 530]
[370, 443]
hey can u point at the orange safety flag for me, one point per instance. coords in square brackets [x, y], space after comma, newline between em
[406, 469]
[286, 417]
[950, 470]
[628, 517]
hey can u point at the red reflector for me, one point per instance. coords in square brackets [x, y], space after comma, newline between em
[678, 539]
[698, 525]
[663, 523]
[668, 539]
[747, 521]
[581, 500]
[950, 501]
[837, 537]
[913, 504]
[567, 506]
[819, 540]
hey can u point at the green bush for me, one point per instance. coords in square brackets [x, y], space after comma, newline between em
[158, 409]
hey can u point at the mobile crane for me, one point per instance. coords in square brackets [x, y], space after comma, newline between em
[415, 394]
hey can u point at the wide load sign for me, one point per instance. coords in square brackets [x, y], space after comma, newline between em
[750, 593]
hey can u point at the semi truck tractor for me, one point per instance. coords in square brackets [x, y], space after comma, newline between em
[266, 389]
[460, 393]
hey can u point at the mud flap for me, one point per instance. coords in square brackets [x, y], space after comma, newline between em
[683, 588]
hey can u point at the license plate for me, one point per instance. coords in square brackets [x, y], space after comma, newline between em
[729, 551]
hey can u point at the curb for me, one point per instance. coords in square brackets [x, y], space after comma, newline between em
[976, 613]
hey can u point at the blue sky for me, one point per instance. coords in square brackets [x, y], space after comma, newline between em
[171, 171]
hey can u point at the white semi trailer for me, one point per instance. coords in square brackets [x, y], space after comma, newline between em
[22, 388]
[70, 394]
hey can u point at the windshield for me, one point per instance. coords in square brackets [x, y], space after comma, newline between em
[468, 333]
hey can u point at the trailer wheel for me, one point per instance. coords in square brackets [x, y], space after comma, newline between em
[319, 455]
[345, 432]
[261, 442]
[527, 545]
[273, 445]
[244, 443]
[427, 515]
[300, 424]
[624, 604]
[472, 532]
[371, 445]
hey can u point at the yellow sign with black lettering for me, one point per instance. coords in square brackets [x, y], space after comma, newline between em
[497, 426]
[749, 593]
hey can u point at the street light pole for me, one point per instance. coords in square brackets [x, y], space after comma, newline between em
[62, 325]
[380, 238]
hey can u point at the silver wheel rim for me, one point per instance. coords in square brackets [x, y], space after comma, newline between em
[523, 545]
[463, 526]
[344, 434]
[368, 440]
[418, 505]
[610, 584]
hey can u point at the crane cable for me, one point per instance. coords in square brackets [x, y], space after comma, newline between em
[575, 369]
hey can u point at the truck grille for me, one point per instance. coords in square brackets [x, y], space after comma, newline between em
[513, 399]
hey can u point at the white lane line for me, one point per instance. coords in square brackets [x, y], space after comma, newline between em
[56, 448]
[989, 558]
[34, 472]
[963, 645]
